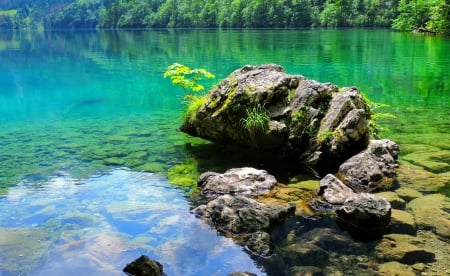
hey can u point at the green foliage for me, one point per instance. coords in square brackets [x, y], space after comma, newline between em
[325, 137]
[421, 15]
[405, 15]
[256, 120]
[375, 117]
[194, 103]
[187, 78]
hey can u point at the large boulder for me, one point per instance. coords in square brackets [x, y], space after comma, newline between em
[316, 123]
[238, 181]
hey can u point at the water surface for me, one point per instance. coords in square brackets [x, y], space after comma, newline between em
[88, 132]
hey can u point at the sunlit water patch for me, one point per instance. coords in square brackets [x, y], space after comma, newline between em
[98, 225]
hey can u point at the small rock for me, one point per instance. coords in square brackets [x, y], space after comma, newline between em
[260, 243]
[420, 267]
[238, 181]
[144, 266]
[239, 214]
[365, 217]
[373, 169]
[334, 191]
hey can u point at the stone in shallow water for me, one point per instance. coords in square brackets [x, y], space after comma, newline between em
[417, 178]
[260, 243]
[402, 222]
[404, 249]
[395, 268]
[306, 254]
[408, 194]
[144, 266]
[432, 212]
[372, 169]
[238, 181]
[365, 217]
[433, 161]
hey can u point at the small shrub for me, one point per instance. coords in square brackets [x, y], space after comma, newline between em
[194, 103]
[187, 78]
[256, 120]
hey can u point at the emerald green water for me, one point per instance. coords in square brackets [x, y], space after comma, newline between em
[80, 104]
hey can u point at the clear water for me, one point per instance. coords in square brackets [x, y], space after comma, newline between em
[84, 114]
[97, 225]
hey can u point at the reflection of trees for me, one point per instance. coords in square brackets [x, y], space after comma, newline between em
[394, 68]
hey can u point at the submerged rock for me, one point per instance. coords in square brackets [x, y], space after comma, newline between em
[144, 266]
[432, 212]
[395, 268]
[315, 123]
[239, 181]
[404, 249]
[260, 243]
[402, 222]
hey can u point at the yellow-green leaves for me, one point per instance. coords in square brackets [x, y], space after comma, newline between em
[187, 78]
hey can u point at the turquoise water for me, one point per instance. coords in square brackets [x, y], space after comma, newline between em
[85, 115]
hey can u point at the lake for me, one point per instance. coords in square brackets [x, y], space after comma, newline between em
[88, 131]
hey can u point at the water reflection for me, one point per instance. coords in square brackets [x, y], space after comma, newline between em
[98, 225]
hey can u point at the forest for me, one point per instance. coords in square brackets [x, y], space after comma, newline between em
[404, 15]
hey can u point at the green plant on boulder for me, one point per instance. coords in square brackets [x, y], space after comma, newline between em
[187, 78]
[193, 105]
[256, 121]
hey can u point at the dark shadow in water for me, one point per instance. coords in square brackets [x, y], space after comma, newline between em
[220, 157]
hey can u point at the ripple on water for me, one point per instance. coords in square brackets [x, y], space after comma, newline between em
[98, 225]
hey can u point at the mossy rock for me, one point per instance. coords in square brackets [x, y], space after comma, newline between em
[419, 179]
[433, 161]
[155, 167]
[185, 174]
[133, 163]
[116, 139]
[113, 161]
[309, 185]
[138, 155]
